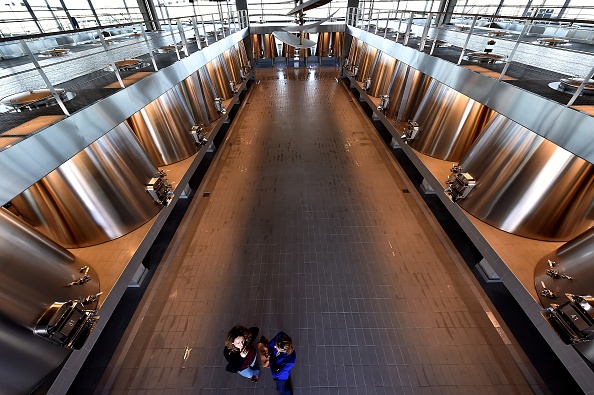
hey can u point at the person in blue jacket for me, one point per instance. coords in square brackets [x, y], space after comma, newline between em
[282, 358]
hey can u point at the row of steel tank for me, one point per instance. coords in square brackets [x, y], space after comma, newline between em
[521, 183]
[329, 44]
[105, 191]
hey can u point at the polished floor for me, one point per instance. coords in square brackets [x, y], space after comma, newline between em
[304, 223]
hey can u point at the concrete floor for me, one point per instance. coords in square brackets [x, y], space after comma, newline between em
[306, 224]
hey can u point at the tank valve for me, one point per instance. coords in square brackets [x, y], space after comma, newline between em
[347, 62]
[66, 324]
[232, 86]
[555, 274]
[354, 71]
[366, 84]
[91, 299]
[160, 189]
[218, 103]
[411, 131]
[547, 293]
[83, 279]
[244, 73]
[197, 134]
[385, 100]
[459, 184]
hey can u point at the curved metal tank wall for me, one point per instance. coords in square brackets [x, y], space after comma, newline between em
[366, 62]
[192, 94]
[163, 128]
[382, 75]
[527, 185]
[209, 94]
[329, 44]
[97, 196]
[397, 89]
[417, 84]
[232, 62]
[355, 52]
[574, 259]
[264, 46]
[35, 274]
[449, 122]
[242, 52]
[219, 78]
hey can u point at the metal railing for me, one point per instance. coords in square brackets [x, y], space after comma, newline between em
[559, 49]
[68, 60]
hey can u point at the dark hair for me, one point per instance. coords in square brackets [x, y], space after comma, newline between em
[285, 343]
[234, 333]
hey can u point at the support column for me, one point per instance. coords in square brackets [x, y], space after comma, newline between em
[149, 14]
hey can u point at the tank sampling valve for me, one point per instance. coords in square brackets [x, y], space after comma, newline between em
[385, 100]
[411, 131]
[554, 273]
[366, 84]
[83, 279]
[91, 299]
[547, 293]
[197, 134]
[160, 189]
[459, 184]
[218, 103]
[232, 86]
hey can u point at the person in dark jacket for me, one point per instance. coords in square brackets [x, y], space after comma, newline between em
[241, 354]
[282, 358]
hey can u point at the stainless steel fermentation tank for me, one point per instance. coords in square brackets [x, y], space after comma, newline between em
[396, 89]
[264, 46]
[382, 75]
[231, 58]
[209, 93]
[97, 196]
[329, 44]
[219, 78]
[365, 61]
[527, 185]
[574, 260]
[449, 122]
[35, 275]
[163, 128]
[414, 90]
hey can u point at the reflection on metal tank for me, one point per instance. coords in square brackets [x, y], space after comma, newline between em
[163, 128]
[209, 94]
[329, 44]
[355, 51]
[382, 75]
[97, 196]
[396, 89]
[219, 78]
[193, 95]
[35, 275]
[415, 87]
[242, 52]
[264, 46]
[527, 185]
[232, 62]
[573, 259]
[366, 61]
[449, 122]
